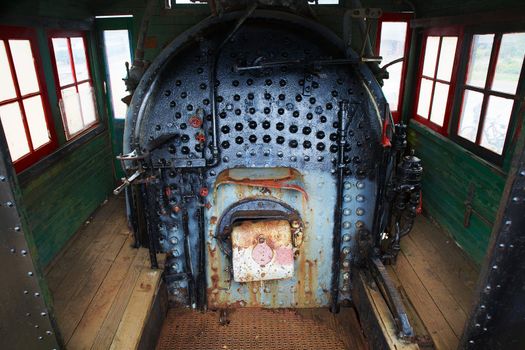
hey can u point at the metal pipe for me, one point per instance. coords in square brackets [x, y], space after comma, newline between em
[213, 89]
[187, 257]
[336, 243]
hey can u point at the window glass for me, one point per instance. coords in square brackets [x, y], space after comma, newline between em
[446, 58]
[87, 102]
[79, 57]
[496, 123]
[439, 104]
[392, 47]
[77, 100]
[62, 61]
[509, 63]
[470, 114]
[24, 66]
[117, 52]
[36, 121]
[8, 88]
[479, 59]
[70, 106]
[14, 130]
[425, 93]
[431, 51]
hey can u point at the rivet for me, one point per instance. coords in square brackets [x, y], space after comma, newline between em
[482, 307]
[12, 250]
[359, 211]
[346, 263]
[522, 173]
[43, 314]
[280, 154]
[347, 211]
[9, 204]
[347, 224]
[26, 292]
[17, 228]
[37, 294]
[306, 158]
[347, 198]
[320, 158]
[346, 276]
[471, 341]
[174, 241]
[346, 250]
[36, 326]
[501, 245]
[477, 325]
[360, 185]
[225, 159]
[212, 173]
[176, 253]
[239, 154]
[49, 332]
[30, 273]
[360, 198]
[514, 199]
[23, 252]
[40, 337]
[347, 185]
[2, 178]
[293, 158]
[495, 267]
[347, 238]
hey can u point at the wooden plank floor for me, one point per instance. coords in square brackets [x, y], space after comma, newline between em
[439, 280]
[95, 280]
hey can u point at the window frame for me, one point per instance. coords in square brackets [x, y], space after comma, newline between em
[25, 33]
[397, 17]
[68, 34]
[457, 31]
[475, 147]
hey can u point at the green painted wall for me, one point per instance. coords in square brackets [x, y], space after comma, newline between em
[449, 171]
[60, 196]
[59, 200]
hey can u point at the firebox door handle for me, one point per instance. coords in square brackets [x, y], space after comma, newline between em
[126, 182]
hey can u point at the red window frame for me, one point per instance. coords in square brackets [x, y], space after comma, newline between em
[60, 34]
[458, 32]
[397, 17]
[487, 91]
[21, 33]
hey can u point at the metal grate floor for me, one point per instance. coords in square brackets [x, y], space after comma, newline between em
[249, 329]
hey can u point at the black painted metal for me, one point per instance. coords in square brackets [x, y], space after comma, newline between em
[497, 320]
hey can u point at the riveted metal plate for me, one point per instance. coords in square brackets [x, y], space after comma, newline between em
[24, 318]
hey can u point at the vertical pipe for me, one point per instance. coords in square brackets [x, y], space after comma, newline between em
[336, 243]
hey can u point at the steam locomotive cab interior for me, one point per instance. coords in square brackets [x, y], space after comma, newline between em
[262, 175]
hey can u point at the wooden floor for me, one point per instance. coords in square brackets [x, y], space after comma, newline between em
[101, 286]
[438, 279]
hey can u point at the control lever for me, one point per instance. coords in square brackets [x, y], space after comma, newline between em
[126, 182]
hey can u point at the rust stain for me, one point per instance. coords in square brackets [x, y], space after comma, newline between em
[283, 178]
[275, 232]
[213, 220]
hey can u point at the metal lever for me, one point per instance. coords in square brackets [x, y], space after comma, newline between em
[126, 182]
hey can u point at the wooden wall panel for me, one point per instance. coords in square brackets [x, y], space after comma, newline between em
[59, 200]
[449, 170]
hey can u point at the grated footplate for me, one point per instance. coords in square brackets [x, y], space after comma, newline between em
[257, 329]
